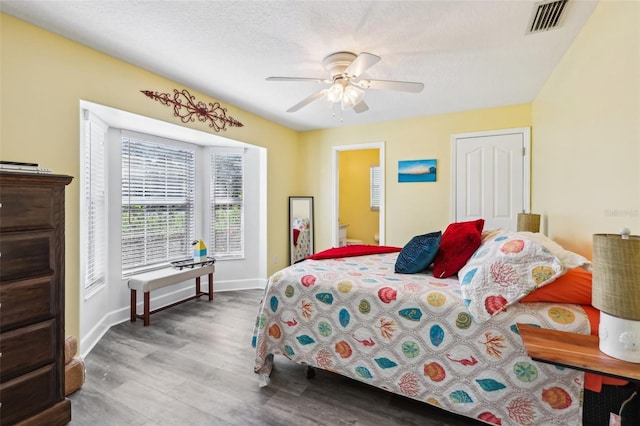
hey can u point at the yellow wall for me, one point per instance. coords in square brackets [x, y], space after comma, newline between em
[43, 79]
[586, 132]
[410, 209]
[355, 207]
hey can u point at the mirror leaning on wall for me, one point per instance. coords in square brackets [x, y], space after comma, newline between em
[301, 242]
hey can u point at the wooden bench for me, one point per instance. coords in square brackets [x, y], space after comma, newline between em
[153, 280]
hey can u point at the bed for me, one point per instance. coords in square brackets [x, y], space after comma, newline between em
[443, 340]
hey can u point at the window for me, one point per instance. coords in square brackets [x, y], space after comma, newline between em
[93, 201]
[374, 187]
[227, 205]
[158, 197]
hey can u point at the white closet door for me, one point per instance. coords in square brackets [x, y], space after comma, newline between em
[491, 177]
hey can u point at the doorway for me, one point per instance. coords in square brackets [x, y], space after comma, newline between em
[491, 176]
[335, 220]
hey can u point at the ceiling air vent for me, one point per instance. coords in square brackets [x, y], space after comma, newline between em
[546, 15]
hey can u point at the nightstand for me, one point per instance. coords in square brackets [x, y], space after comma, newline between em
[577, 351]
[573, 350]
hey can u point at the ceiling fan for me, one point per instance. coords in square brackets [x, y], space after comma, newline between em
[347, 85]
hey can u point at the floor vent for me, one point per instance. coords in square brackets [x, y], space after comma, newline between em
[546, 15]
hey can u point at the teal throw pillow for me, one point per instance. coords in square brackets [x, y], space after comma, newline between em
[418, 254]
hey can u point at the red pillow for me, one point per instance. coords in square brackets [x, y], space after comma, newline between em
[572, 287]
[459, 241]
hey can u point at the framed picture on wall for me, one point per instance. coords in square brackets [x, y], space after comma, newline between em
[417, 170]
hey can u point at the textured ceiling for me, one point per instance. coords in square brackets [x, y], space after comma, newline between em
[469, 54]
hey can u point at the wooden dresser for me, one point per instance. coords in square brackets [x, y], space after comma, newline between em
[32, 299]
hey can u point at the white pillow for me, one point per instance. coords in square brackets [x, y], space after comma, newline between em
[568, 258]
[504, 270]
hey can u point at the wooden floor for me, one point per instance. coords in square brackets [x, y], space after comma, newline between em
[194, 366]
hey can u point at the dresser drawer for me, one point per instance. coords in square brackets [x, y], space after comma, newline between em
[26, 254]
[26, 395]
[27, 207]
[27, 348]
[28, 301]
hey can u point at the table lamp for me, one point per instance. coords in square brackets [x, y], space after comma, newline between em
[529, 222]
[616, 293]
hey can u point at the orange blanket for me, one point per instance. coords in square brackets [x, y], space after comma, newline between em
[575, 287]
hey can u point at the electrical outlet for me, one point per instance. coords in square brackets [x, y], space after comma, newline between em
[275, 259]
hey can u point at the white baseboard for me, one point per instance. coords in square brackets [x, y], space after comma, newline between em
[122, 314]
[233, 285]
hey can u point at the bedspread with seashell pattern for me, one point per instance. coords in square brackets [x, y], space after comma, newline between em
[412, 335]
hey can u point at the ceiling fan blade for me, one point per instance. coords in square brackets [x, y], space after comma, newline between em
[362, 63]
[361, 107]
[400, 86]
[306, 101]
[305, 79]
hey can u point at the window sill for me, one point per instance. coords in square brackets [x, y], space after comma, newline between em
[224, 258]
[93, 290]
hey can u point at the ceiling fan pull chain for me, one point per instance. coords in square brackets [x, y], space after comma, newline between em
[333, 107]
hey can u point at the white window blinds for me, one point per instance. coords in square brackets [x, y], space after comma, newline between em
[227, 205]
[374, 187]
[158, 196]
[94, 201]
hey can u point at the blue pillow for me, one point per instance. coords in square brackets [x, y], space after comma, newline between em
[419, 253]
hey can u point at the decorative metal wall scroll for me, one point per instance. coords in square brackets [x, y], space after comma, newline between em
[188, 109]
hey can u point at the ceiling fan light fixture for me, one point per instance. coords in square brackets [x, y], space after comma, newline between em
[335, 92]
[352, 96]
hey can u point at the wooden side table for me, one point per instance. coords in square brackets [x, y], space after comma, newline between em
[577, 351]
[573, 350]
